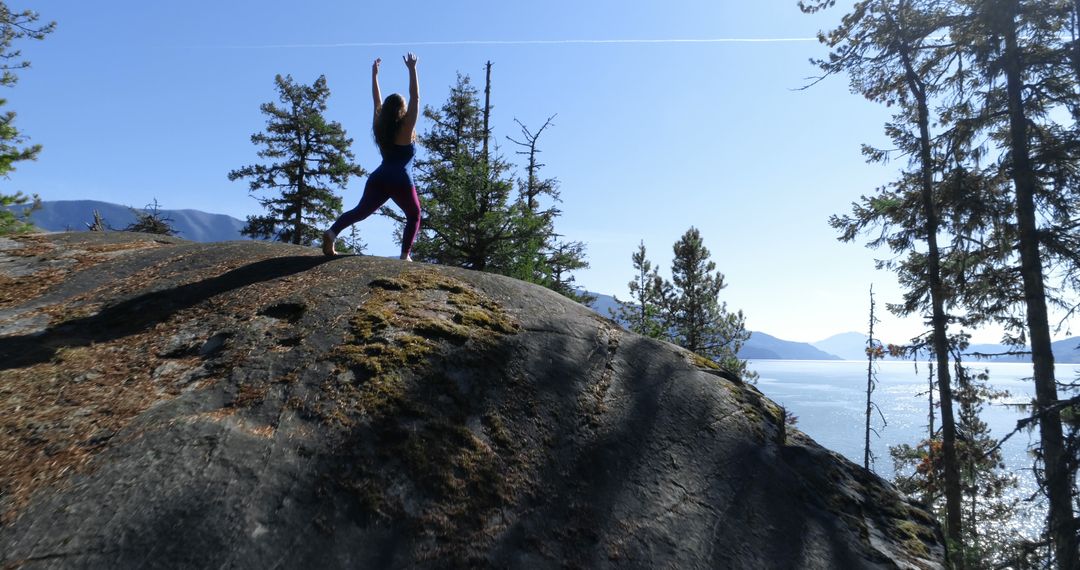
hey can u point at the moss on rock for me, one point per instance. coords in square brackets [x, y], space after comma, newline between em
[407, 317]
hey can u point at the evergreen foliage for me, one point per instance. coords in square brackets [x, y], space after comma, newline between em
[469, 219]
[15, 26]
[545, 258]
[308, 157]
[700, 322]
[644, 313]
[686, 311]
[472, 217]
[987, 101]
[351, 243]
[14, 220]
[987, 537]
[560, 259]
[893, 54]
[151, 220]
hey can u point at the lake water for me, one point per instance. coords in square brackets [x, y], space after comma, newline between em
[829, 399]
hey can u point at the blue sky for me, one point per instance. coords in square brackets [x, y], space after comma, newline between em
[141, 100]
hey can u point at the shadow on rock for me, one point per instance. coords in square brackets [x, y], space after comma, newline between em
[144, 311]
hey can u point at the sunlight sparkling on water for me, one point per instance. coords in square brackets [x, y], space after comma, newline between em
[829, 399]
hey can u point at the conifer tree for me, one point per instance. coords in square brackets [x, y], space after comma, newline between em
[644, 312]
[987, 537]
[874, 351]
[471, 218]
[561, 260]
[1004, 178]
[545, 258]
[351, 242]
[309, 157]
[1024, 57]
[700, 322]
[15, 210]
[16, 26]
[893, 52]
[468, 214]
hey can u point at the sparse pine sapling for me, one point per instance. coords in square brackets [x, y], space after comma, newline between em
[151, 220]
[644, 312]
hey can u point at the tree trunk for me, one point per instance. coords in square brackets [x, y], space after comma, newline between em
[953, 504]
[928, 498]
[1075, 52]
[1058, 487]
[487, 109]
[869, 383]
[298, 221]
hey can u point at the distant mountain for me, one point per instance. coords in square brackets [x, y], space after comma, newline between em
[848, 346]
[1002, 350]
[1067, 351]
[194, 225]
[760, 346]
[852, 345]
[603, 304]
[767, 347]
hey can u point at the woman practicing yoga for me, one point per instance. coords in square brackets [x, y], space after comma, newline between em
[393, 125]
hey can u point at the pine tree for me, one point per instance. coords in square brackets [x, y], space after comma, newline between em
[15, 220]
[700, 322]
[545, 259]
[561, 260]
[644, 312]
[893, 53]
[351, 242]
[16, 26]
[465, 192]
[1024, 55]
[312, 156]
[987, 538]
[471, 218]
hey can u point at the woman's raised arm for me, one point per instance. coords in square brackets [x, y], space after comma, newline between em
[413, 112]
[375, 94]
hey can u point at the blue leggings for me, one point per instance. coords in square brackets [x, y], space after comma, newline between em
[376, 192]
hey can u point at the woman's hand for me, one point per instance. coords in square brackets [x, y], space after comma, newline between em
[410, 60]
[375, 66]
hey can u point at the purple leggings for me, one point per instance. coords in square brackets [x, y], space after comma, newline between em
[376, 193]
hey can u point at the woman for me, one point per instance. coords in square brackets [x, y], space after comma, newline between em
[394, 128]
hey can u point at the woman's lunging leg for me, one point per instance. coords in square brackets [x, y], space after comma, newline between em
[409, 202]
[374, 196]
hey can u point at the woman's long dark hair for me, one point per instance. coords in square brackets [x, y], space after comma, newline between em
[388, 121]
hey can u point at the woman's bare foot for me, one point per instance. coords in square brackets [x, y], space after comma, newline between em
[328, 240]
[406, 257]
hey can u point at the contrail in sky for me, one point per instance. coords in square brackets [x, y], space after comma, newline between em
[528, 42]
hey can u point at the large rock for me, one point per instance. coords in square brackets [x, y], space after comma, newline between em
[253, 405]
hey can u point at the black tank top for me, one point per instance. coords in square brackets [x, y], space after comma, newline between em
[398, 154]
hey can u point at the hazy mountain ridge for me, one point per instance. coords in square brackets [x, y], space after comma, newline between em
[761, 346]
[851, 346]
[75, 215]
